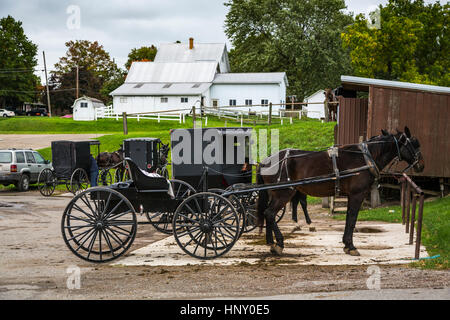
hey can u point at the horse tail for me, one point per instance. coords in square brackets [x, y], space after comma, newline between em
[263, 200]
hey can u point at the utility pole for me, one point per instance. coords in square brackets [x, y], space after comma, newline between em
[46, 82]
[77, 82]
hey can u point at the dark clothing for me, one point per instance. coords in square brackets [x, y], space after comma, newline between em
[93, 171]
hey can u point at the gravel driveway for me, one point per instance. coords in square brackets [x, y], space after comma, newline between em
[39, 141]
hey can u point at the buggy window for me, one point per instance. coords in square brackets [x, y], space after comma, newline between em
[39, 158]
[20, 157]
[5, 157]
[30, 158]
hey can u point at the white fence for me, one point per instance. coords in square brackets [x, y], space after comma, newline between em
[170, 115]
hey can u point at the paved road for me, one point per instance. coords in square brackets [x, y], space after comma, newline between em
[383, 294]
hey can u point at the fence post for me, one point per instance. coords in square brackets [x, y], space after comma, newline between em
[269, 120]
[242, 119]
[419, 226]
[138, 118]
[125, 124]
[290, 119]
[117, 117]
[281, 121]
[403, 200]
[413, 217]
[193, 117]
[159, 118]
[206, 121]
[408, 203]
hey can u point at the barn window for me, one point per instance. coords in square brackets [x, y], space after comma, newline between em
[167, 85]
[232, 102]
[184, 100]
[248, 102]
[264, 102]
[196, 85]
[164, 100]
[139, 85]
[123, 99]
[83, 105]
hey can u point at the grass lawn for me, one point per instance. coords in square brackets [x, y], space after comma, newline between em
[435, 231]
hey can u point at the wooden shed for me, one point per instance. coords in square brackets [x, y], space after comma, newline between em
[392, 105]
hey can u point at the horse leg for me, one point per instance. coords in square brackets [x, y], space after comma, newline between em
[294, 204]
[304, 204]
[354, 204]
[278, 201]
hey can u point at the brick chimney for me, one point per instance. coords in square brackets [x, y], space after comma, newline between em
[191, 43]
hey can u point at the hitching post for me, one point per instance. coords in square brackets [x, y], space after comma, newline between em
[125, 126]
[193, 116]
[413, 217]
[270, 114]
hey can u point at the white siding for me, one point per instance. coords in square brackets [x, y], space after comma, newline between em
[84, 114]
[142, 104]
[274, 93]
[316, 111]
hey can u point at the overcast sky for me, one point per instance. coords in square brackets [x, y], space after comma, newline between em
[120, 25]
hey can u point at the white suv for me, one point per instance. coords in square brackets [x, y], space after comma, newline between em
[6, 113]
[21, 167]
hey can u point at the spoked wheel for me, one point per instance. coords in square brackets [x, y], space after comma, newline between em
[105, 178]
[249, 201]
[79, 181]
[206, 225]
[99, 225]
[236, 202]
[162, 221]
[46, 182]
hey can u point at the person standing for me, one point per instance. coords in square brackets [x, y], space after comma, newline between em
[93, 171]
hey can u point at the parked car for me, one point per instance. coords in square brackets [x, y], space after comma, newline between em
[38, 112]
[21, 167]
[6, 113]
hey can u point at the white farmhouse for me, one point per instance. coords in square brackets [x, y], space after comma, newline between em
[187, 75]
[85, 108]
[316, 109]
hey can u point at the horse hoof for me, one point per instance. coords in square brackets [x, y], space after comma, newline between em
[346, 250]
[276, 250]
[354, 252]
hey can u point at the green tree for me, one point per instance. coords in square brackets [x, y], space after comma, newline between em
[18, 83]
[301, 38]
[411, 43]
[141, 54]
[95, 66]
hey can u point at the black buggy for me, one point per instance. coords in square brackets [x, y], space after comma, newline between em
[71, 164]
[100, 224]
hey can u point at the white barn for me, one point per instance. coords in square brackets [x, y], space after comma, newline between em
[186, 75]
[85, 108]
[316, 110]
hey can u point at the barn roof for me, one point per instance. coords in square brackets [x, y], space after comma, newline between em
[171, 72]
[256, 77]
[154, 89]
[180, 52]
[358, 83]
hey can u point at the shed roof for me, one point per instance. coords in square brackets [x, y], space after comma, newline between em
[171, 72]
[96, 102]
[256, 77]
[358, 83]
[145, 89]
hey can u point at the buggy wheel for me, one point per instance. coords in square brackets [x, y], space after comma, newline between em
[105, 178]
[237, 203]
[79, 181]
[206, 225]
[162, 221]
[99, 225]
[46, 182]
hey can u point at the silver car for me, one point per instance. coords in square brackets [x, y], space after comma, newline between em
[21, 167]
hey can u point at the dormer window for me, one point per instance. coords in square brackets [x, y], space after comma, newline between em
[167, 85]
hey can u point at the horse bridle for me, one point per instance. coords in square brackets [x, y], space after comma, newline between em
[409, 147]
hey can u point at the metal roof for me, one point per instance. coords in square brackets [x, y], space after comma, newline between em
[260, 77]
[364, 83]
[171, 72]
[180, 52]
[154, 89]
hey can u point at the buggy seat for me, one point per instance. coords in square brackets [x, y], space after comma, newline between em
[147, 181]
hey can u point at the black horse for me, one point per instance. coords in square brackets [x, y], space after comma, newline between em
[374, 155]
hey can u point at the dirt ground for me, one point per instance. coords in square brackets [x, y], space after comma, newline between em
[34, 262]
[39, 141]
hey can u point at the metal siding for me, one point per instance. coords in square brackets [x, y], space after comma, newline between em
[350, 126]
[427, 116]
